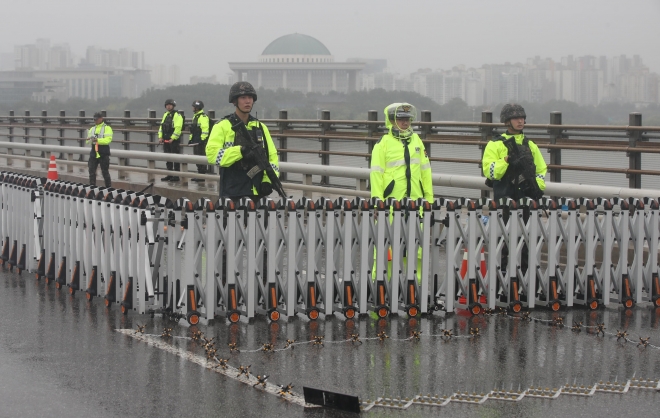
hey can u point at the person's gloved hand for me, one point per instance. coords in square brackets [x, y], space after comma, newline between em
[514, 162]
[246, 152]
[266, 189]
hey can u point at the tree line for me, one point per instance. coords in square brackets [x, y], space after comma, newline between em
[345, 106]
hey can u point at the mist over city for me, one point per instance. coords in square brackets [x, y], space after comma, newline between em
[596, 58]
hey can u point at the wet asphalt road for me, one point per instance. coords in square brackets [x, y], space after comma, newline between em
[60, 355]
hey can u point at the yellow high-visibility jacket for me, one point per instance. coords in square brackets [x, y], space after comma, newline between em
[177, 123]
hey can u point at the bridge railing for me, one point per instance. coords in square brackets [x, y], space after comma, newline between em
[357, 177]
[624, 156]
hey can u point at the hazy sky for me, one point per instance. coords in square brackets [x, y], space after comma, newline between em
[202, 36]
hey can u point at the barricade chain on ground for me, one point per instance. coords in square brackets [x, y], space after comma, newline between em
[211, 259]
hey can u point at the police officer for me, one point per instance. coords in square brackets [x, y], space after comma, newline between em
[228, 148]
[199, 133]
[514, 168]
[400, 166]
[168, 135]
[99, 136]
[510, 156]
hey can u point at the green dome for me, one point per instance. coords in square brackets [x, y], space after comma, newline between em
[296, 44]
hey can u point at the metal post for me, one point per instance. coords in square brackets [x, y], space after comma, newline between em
[634, 158]
[283, 126]
[555, 153]
[486, 136]
[210, 168]
[372, 131]
[153, 139]
[127, 133]
[10, 137]
[184, 166]
[426, 129]
[81, 142]
[325, 143]
[62, 121]
[44, 122]
[26, 137]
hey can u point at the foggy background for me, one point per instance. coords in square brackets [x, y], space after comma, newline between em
[202, 36]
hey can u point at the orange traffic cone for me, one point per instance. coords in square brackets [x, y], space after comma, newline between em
[52, 169]
[463, 272]
[464, 265]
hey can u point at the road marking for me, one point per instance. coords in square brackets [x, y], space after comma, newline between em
[230, 372]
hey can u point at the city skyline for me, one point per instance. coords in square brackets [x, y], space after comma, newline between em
[421, 34]
[586, 79]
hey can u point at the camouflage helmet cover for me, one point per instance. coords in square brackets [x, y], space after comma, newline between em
[511, 111]
[241, 88]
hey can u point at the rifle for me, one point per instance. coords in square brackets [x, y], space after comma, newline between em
[524, 168]
[261, 160]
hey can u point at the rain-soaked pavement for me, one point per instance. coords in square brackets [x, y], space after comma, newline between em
[61, 355]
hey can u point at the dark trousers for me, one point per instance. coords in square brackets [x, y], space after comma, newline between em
[172, 148]
[506, 214]
[93, 164]
[200, 149]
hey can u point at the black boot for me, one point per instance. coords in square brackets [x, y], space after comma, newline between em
[166, 178]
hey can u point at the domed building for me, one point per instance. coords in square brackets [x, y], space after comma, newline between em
[298, 62]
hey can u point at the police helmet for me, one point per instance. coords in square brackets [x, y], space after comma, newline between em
[98, 115]
[400, 111]
[241, 88]
[170, 102]
[198, 104]
[512, 111]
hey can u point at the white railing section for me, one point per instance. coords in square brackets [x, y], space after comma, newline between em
[209, 259]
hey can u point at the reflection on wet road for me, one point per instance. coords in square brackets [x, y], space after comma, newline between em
[62, 355]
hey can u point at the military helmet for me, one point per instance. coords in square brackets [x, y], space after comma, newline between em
[241, 88]
[170, 102]
[98, 115]
[512, 111]
[198, 104]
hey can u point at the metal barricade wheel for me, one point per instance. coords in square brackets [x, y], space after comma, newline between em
[555, 306]
[349, 312]
[516, 307]
[475, 308]
[192, 318]
[234, 317]
[274, 315]
[313, 314]
[383, 312]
